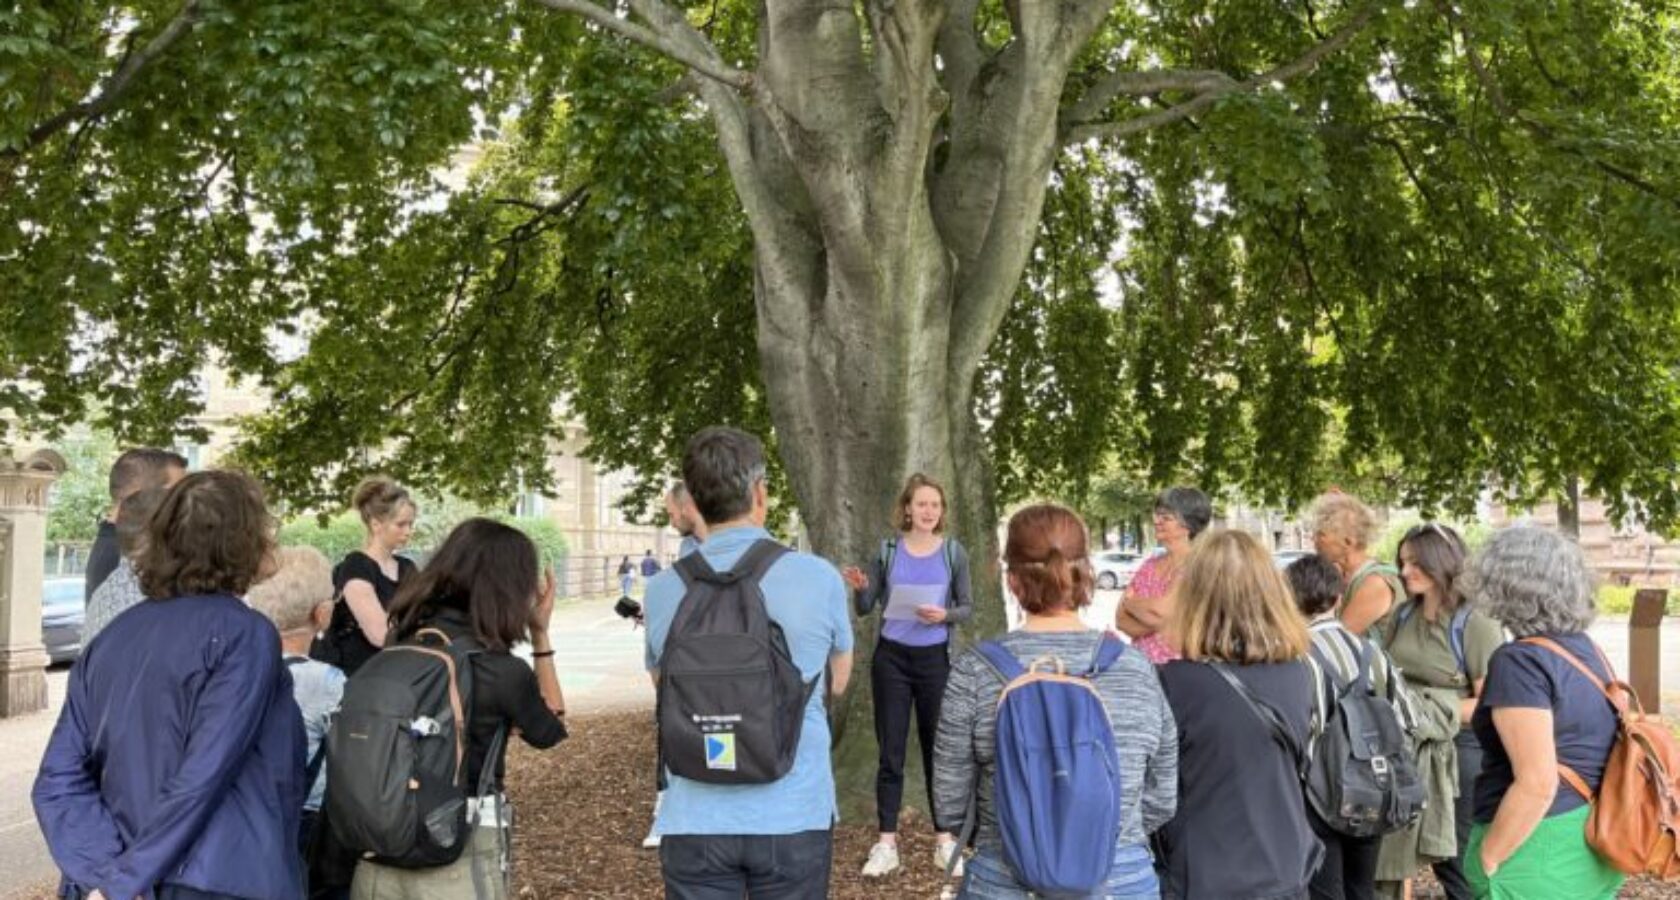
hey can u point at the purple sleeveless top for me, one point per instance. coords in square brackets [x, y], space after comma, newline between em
[908, 568]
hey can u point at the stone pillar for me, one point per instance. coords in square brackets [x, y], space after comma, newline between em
[23, 545]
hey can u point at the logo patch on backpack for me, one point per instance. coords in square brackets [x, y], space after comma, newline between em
[720, 751]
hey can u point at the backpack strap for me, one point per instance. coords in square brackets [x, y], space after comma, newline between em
[1266, 714]
[1001, 660]
[1108, 652]
[1618, 700]
[1455, 637]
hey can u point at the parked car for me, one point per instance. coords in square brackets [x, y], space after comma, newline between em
[62, 607]
[1115, 568]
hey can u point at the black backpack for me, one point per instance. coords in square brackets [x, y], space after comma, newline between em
[396, 754]
[731, 702]
[1362, 780]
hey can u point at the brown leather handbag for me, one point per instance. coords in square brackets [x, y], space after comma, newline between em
[1636, 814]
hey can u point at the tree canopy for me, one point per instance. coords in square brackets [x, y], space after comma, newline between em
[1428, 245]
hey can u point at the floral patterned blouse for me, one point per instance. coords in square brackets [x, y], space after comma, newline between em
[1153, 580]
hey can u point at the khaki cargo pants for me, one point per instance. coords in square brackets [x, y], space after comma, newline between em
[477, 875]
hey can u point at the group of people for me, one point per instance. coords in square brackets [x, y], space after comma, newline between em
[188, 759]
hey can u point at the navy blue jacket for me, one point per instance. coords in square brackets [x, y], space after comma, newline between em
[178, 758]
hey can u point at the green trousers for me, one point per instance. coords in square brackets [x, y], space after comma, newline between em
[477, 875]
[1555, 863]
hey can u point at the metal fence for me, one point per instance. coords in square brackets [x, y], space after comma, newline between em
[66, 559]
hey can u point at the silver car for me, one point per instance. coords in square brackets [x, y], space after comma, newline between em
[62, 607]
[1115, 568]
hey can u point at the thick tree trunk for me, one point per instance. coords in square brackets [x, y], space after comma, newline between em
[883, 274]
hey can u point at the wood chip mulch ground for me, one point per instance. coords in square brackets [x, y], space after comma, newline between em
[584, 808]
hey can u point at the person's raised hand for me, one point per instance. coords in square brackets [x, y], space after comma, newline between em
[854, 578]
[543, 609]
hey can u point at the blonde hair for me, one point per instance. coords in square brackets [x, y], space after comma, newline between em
[301, 581]
[1342, 515]
[915, 483]
[1231, 603]
[379, 498]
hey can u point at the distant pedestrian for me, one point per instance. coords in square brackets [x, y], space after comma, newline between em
[135, 470]
[650, 566]
[626, 577]
[176, 769]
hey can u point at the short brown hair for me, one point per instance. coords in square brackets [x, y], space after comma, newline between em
[211, 535]
[484, 569]
[378, 498]
[915, 483]
[133, 517]
[1047, 558]
[1231, 603]
[141, 468]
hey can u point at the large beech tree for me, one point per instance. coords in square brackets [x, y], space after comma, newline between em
[1422, 244]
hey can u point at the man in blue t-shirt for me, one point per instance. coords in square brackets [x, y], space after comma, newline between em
[761, 840]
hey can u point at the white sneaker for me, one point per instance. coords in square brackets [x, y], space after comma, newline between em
[883, 861]
[942, 854]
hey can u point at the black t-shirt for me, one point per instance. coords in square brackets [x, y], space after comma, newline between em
[1583, 722]
[504, 692]
[102, 559]
[1241, 828]
[350, 647]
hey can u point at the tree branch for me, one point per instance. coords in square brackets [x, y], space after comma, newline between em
[1139, 84]
[1075, 132]
[707, 64]
[1541, 131]
[114, 89]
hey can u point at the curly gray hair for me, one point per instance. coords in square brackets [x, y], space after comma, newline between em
[1533, 582]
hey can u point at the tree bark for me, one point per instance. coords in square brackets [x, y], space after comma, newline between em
[1569, 509]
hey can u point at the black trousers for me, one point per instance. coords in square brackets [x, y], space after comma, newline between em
[1349, 871]
[1451, 872]
[759, 867]
[905, 680]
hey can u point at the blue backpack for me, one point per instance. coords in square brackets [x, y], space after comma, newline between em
[1057, 787]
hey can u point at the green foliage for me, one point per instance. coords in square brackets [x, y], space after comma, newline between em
[82, 495]
[1475, 533]
[1431, 265]
[336, 538]
[1617, 600]
[344, 532]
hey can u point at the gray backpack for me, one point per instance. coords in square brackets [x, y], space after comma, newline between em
[1362, 780]
[731, 702]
